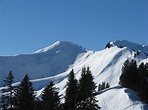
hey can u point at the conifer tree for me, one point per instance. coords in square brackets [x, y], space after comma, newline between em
[143, 71]
[38, 104]
[25, 97]
[129, 77]
[107, 85]
[143, 82]
[124, 75]
[99, 87]
[103, 86]
[7, 93]
[143, 91]
[86, 93]
[71, 93]
[50, 98]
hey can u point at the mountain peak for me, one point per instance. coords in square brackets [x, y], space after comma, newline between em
[131, 45]
[59, 44]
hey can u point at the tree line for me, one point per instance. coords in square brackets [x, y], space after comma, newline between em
[79, 94]
[135, 77]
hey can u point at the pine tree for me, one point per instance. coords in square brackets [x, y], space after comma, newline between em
[7, 93]
[4, 100]
[25, 97]
[146, 67]
[143, 91]
[50, 98]
[99, 87]
[107, 85]
[38, 104]
[129, 77]
[71, 93]
[124, 75]
[86, 93]
[143, 82]
[103, 86]
[143, 71]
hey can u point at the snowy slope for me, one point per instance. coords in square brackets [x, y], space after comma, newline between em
[117, 98]
[56, 61]
[44, 63]
[135, 47]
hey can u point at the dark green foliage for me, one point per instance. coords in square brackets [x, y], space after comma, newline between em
[143, 90]
[78, 96]
[135, 78]
[143, 71]
[99, 87]
[143, 82]
[103, 86]
[124, 75]
[71, 93]
[25, 97]
[86, 90]
[129, 76]
[7, 98]
[50, 98]
[107, 85]
[38, 104]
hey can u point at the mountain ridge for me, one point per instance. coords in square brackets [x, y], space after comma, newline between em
[133, 46]
[57, 44]
[54, 63]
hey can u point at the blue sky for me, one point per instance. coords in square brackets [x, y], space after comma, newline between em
[28, 25]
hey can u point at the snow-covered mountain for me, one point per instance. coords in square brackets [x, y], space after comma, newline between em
[135, 47]
[43, 63]
[56, 61]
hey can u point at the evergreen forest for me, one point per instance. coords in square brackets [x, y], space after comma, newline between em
[23, 96]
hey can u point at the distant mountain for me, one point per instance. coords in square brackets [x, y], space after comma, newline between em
[133, 46]
[56, 61]
[43, 63]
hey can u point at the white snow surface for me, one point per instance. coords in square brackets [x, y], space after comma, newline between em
[46, 62]
[133, 46]
[56, 61]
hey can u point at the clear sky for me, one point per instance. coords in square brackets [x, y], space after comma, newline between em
[28, 25]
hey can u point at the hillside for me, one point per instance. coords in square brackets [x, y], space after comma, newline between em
[43, 63]
[56, 61]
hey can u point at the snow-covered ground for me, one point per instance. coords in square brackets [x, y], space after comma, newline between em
[117, 98]
[56, 61]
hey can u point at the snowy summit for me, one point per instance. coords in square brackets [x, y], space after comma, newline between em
[60, 45]
[133, 46]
